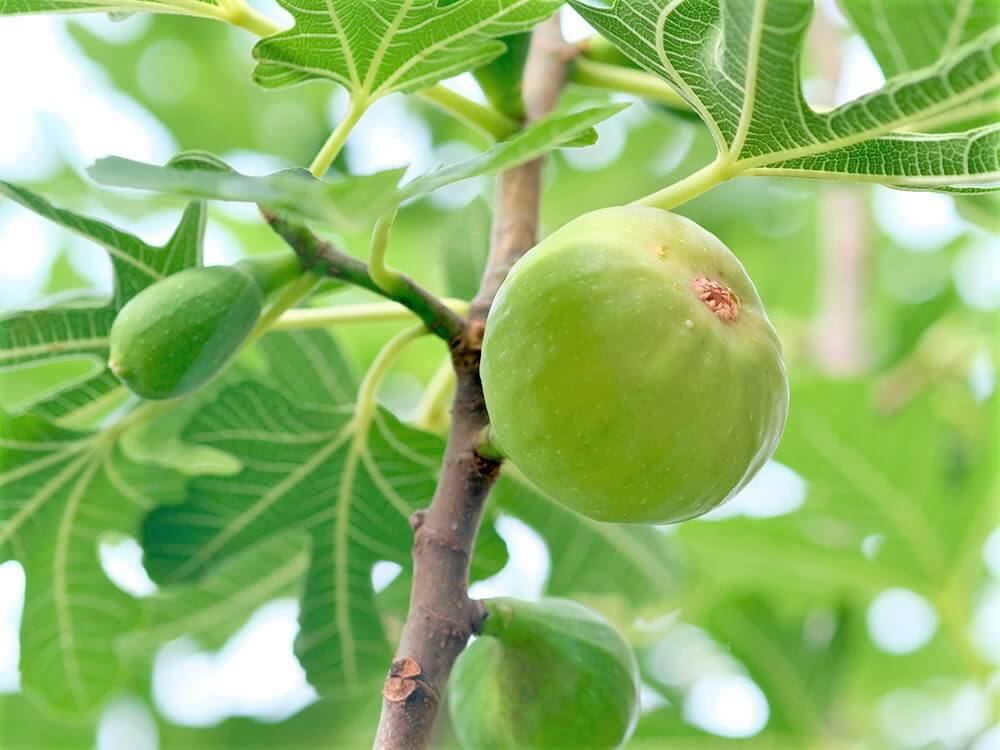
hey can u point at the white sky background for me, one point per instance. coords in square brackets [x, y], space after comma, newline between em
[59, 107]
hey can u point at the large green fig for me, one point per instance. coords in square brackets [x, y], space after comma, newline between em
[549, 674]
[176, 334]
[630, 371]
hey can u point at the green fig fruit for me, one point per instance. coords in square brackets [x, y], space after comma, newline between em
[176, 334]
[630, 370]
[546, 675]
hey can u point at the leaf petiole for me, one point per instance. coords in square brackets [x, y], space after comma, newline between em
[486, 119]
[691, 186]
[328, 154]
[586, 72]
[387, 279]
[380, 367]
[431, 413]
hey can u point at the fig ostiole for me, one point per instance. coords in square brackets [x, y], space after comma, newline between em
[550, 674]
[629, 368]
[176, 334]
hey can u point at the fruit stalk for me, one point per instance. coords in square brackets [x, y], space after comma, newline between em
[442, 617]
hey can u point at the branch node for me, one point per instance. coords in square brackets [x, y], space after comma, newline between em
[417, 519]
[428, 536]
[474, 332]
[404, 680]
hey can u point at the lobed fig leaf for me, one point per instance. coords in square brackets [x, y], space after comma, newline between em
[548, 674]
[176, 334]
[630, 370]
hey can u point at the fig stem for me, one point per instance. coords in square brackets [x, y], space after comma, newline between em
[690, 187]
[498, 617]
[431, 413]
[486, 445]
[365, 312]
[328, 154]
[489, 121]
[290, 296]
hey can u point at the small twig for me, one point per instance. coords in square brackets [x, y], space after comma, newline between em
[322, 257]
[442, 617]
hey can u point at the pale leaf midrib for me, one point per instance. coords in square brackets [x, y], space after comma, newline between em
[942, 181]
[254, 511]
[387, 85]
[957, 26]
[341, 593]
[43, 495]
[679, 80]
[276, 581]
[55, 347]
[376, 62]
[750, 81]
[60, 591]
[352, 66]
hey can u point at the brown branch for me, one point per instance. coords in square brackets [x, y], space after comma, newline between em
[321, 256]
[442, 617]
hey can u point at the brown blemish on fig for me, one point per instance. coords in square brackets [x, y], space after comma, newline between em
[717, 297]
[660, 251]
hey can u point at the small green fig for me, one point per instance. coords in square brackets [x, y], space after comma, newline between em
[551, 674]
[176, 334]
[630, 370]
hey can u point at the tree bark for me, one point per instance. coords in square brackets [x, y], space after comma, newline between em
[442, 617]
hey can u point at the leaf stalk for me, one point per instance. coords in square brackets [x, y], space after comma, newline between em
[331, 149]
[491, 122]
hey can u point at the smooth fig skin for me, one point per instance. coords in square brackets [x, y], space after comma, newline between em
[630, 370]
[549, 675]
[176, 334]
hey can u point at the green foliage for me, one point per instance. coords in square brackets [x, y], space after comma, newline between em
[54, 333]
[346, 478]
[345, 202]
[63, 490]
[402, 45]
[737, 64]
[284, 478]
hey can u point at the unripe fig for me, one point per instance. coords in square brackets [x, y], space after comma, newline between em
[176, 334]
[630, 370]
[549, 674]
